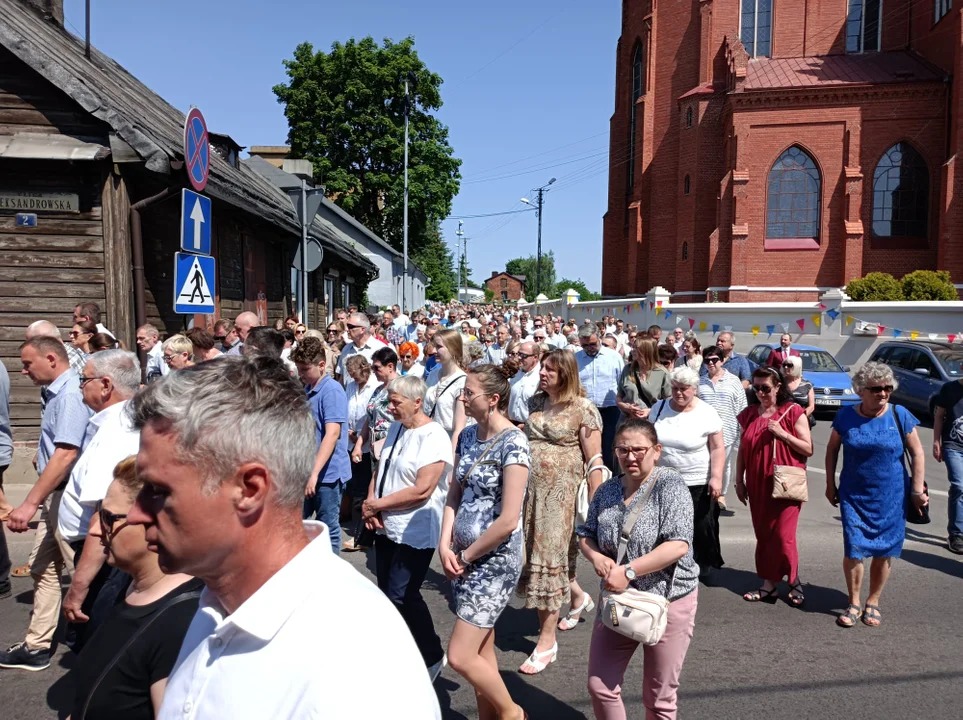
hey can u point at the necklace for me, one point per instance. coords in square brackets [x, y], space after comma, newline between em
[862, 411]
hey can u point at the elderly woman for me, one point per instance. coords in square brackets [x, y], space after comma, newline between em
[800, 389]
[724, 392]
[690, 431]
[81, 333]
[476, 354]
[408, 354]
[691, 355]
[774, 432]
[154, 614]
[359, 390]
[875, 492]
[445, 383]
[565, 432]
[481, 535]
[178, 352]
[406, 499]
[643, 381]
[658, 560]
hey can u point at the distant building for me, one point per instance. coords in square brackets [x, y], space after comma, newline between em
[507, 288]
[766, 150]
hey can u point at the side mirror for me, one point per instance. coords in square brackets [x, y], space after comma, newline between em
[922, 371]
[847, 368]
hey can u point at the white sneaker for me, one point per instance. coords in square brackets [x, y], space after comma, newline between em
[435, 670]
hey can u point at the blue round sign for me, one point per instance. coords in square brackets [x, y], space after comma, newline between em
[197, 149]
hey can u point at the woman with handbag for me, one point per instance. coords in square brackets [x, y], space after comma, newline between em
[565, 433]
[775, 441]
[123, 669]
[643, 381]
[638, 537]
[876, 494]
[481, 534]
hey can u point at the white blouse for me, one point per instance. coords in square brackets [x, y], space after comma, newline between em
[358, 399]
[442, 396]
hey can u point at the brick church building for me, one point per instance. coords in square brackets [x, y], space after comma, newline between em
[766, 149]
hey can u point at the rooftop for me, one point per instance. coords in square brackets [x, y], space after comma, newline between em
[839, 70]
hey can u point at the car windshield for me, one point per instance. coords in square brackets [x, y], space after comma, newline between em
[819, 361]
[951, 361]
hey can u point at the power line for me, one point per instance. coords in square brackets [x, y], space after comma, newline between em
[483, 215]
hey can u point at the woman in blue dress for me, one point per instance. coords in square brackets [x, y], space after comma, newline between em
[875, 491]
[481, 534]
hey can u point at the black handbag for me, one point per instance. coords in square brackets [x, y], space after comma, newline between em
[914, 515]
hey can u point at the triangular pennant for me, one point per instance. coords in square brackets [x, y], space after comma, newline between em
[951, 338]
[849, 320]
[785, 327]
[914, 334]
[817, 320]
[715, 328]
[833, 313]
[755, 330]
[770, 329]
[931, 336]
[728, 328]
[702, 325]
[658, 311]
[659, 303]
[651, 305]
[897, 332]
[801, 322]
[821, 306]
[668, 314]
[880, 329]
[691, 323]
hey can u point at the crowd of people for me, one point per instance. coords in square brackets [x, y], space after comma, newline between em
[199, 506]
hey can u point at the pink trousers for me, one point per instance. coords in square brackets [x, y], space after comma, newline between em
[662, 664]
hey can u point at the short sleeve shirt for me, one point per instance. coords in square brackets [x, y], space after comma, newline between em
[950, 398]
[6, 436]
[371, 346]
[329, 404]
[418, 527]
[442, 396]
[684, 437]
[65, 418]
[600, 375]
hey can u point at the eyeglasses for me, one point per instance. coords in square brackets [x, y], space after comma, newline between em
[589, 344]
[78, 333]
[220, 338]
[879, 389]
[638, 452]
[169, 358]
[406, 357]
[470, 395]
[764, 389]
[300, 332]
[107, 521]
[788, 364]
[353, 327]
[84, 380]
[332, 330]
[712, 360]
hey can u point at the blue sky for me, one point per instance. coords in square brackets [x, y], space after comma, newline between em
[527, 86]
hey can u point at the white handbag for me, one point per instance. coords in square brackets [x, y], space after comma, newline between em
[582, 494]
[640, 616]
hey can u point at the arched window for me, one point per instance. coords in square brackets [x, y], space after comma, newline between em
[688, 117]
[685, 251]
[755, 26]
[638, 72]
[792, 207]
[901, 193]
[686, 185]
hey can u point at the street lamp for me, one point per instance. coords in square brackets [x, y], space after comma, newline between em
[538, 211]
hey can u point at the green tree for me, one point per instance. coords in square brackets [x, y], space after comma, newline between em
[529, 268]
[562, 286]
[346, 113]
[875, 287]
[436, 260]
[928, 285]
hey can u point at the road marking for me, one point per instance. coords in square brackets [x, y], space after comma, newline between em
[939, 493]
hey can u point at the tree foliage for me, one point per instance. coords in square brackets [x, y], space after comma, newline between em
[562, 286]
[875, 287]
[928, 285]
[345, 112]
[529, 268]
[436, 260]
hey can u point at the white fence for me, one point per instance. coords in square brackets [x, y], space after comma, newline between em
[850, 330]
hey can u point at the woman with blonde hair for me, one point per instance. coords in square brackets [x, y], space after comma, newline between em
[178, 352]
[643, 381]
[564, 431]
[445, 383]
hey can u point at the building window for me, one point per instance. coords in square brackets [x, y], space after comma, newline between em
[792, 207]
[504, 282]
[941, 7]
[864, 25]
[638, 72]
[504, 296]
[685, 185]
[688, 117]
[756, 27]
[901, 193]
[685, 251]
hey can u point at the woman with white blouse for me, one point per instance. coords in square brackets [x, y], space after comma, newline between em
[405, 503]
[445, 384]
[724, 392]
[690, 432]
[359, 390]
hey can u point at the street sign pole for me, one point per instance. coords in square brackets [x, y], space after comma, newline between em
[303, 302]
[404, 282]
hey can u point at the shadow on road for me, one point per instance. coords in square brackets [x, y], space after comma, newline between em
[60, 695]
[917, 536]
[821, 600]
[943, 564]
[538, 703]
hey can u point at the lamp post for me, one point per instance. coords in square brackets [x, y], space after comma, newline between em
[538, 211]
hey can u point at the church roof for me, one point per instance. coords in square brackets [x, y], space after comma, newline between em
[839, 70]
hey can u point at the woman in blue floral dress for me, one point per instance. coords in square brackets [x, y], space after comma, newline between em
[481, 535]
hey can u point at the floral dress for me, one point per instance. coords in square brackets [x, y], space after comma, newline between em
[482, 593]
[549, 517]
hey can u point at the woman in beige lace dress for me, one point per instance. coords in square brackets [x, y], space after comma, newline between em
[564, 431]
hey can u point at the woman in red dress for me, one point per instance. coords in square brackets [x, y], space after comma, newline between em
[778, 418]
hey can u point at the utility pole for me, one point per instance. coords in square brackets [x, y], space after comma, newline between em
[464, 258]
[538, 211]
[459, 233]
[404, 282]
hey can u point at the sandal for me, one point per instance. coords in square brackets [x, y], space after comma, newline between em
[796, 596]
[574, 616]
[762, 595]
[871, 616]
[22, 571]
[535, 660]
[849, 617]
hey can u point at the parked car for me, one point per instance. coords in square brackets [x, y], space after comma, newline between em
[832, 386]
[921, 367]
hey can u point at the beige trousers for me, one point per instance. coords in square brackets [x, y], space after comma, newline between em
[51, 555]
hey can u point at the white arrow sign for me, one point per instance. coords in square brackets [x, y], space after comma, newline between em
[197, 215]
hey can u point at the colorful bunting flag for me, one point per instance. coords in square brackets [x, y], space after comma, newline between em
[691, 323]
[931, 336]
[914, 335]
[833, 313]
[770, 329]
[880, 329]
[801, 322]
[728, 328]
[897, 332]
[755, 330]
[715, 328]
[668, 314]
[659, 303]
[785, 327]
[951, 338]
[849, 320]
[658, 310]
[651, 305]
[821, 306]
[702, 326]
[817, 320]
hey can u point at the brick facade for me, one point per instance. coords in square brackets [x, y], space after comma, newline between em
[507, 288]
[689, 204]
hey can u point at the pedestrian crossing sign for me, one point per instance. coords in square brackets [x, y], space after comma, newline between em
[193, 284]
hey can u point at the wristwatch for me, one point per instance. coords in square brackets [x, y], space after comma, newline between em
[629, 573]
[462, 560]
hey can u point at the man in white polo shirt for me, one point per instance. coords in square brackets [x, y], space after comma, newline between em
[362, 343]
[281, 617]
[525, 383]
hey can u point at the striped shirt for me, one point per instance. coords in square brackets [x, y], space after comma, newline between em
[728, 397]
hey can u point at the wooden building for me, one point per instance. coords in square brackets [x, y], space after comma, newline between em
[97, 158]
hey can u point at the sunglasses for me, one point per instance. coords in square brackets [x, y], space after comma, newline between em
[76, 333]
[107, 522]
[525, 356]
[712, 360]
[513, 354]
[406, 357]
[220, 338]
[354, 327]
[764, 389]
[787, 364]
[879, 389]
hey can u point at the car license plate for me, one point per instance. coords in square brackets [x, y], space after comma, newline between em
[828, 401]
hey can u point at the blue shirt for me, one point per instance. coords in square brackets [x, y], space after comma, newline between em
[65, 418]
[599, 375]
[329, 404]
[6, 436]
[736, 364]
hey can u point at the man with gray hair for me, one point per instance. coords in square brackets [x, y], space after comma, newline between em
[362, 343]
[226, 451]
[496, 352]
[111, 378]
[148, 340]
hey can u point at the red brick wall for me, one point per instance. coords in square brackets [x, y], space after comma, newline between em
[514, 288]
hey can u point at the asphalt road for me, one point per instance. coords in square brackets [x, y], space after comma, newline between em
[745, 661]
